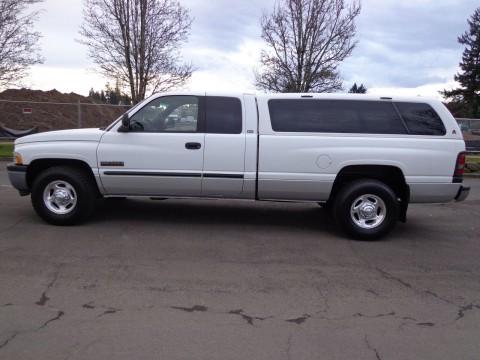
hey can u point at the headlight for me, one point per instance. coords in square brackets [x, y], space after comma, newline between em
[17, 158]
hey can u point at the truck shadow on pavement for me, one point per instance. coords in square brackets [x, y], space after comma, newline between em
[236, 214]
[215, 213]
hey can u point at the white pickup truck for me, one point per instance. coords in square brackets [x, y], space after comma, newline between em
[362, 157]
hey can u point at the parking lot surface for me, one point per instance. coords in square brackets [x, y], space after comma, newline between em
[182, 279]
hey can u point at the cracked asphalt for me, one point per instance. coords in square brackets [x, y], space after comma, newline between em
[181, 279]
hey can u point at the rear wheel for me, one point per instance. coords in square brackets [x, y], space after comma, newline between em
[366, 209]
[63, 195]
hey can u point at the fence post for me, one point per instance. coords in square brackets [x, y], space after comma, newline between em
[79, 120]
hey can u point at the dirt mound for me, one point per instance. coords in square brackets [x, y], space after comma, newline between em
[60, 111]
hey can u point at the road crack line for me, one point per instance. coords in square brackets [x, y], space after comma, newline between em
[5, 343]
[44, 298]
[194, 308]
[300, 320]
[288, 351]
[249, 319]
[59, 315]
[373, 349]
[464, 309]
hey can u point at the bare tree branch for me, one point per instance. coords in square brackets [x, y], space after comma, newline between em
[138, 42]
[18, 42]
[306, 42]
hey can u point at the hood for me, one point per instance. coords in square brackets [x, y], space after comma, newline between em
[63, 135]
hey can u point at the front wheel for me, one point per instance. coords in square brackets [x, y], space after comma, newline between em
[366, 209]
[63, 195]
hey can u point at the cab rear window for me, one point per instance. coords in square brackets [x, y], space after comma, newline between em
[224, 115]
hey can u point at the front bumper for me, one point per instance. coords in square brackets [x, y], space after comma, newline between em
[18, 178]
[462, 193]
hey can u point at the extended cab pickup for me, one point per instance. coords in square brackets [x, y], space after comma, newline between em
[363, 158]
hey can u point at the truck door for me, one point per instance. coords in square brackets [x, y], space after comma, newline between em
[224, 154]
[162, 154]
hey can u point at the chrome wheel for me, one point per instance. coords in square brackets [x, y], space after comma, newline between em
[60, 197]
[368, 211]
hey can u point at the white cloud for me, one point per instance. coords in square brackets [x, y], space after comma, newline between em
[66, 67]
[428, 90]
[225, 70]
[59, 23]
[64, 79]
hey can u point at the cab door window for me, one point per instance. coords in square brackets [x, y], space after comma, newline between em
[168, 114]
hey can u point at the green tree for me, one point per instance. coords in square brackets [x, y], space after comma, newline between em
[466, 98]
[355, 89]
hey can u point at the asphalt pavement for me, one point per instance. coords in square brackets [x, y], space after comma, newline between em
[220, 279]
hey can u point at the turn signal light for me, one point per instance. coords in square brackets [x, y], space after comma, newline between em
[18, 159]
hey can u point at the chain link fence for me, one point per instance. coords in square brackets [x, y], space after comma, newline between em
[471, 133]
[47, 116]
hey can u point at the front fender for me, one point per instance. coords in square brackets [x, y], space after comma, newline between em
[85, 151]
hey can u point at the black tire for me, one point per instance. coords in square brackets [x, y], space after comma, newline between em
[351, 192]
[84, 186]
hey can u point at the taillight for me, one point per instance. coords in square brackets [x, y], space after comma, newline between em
[459, 168]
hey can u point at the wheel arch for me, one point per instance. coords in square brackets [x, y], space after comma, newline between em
[391, 175]
[40, 165]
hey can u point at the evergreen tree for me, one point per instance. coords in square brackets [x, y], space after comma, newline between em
[466, 98]
[94, 95]
[355, 89]
[110, 96]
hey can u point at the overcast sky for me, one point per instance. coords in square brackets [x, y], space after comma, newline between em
[405, 47]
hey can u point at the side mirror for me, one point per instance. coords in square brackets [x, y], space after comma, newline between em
[125, 124]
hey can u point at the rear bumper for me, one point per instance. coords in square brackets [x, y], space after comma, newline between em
[433, 193]
[462, 193]
[17, 175]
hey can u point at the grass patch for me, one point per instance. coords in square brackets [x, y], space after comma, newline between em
[6, 150]
[472, 164]
[473, 159]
